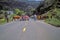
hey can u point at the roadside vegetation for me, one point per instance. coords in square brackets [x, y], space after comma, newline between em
[2, 21]
[53, 17]
[6, 17]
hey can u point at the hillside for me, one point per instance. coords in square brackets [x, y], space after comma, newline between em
[21, 5]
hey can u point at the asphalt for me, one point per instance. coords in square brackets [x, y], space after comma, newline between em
[29, 30]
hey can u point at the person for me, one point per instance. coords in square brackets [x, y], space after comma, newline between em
[35, 17]
[6, 17]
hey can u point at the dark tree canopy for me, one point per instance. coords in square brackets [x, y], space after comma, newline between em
[46, 6]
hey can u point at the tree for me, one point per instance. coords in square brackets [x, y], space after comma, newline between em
[6, 0]
[1, 14]
[19, 12]
[45, 6]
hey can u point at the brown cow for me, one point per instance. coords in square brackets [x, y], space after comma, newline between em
[17, 17]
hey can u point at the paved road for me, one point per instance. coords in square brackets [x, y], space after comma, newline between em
[29, 30]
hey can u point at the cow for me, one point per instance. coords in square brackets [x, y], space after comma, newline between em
[17, 17]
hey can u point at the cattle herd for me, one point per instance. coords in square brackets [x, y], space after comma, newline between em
[21, 18]
[26, 17]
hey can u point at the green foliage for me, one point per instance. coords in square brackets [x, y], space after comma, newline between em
[57, 12]
[55, 20]
[32, 9]
[19, 12]
[2, 21]
[49, 14]
[2, 13]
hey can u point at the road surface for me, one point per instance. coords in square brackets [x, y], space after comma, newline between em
[29, 30]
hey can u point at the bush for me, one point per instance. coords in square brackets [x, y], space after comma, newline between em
[55, 20]
[2, 21]
[19, 12]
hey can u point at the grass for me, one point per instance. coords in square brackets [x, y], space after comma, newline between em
[55, 20]
[2, 21]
